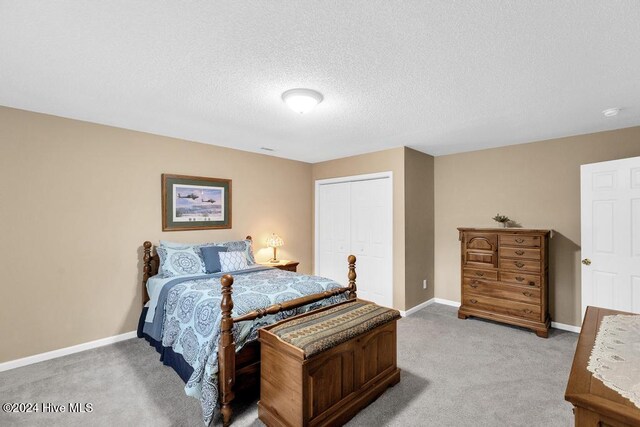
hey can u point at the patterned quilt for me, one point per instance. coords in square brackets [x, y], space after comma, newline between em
[191, 324]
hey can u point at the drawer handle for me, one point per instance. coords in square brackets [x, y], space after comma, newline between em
[527, 294]
[473, 301]
[519, 278]
[519, 264]
[519, 240]
[473, 285]
[479, 273]
[519, 252]
[531, 283]
[526, 310]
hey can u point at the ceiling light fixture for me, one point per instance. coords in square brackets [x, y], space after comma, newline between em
[302, 100]
[611, 112]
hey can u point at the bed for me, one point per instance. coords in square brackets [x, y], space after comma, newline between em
[205, 325]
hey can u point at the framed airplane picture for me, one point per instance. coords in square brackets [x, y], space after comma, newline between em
[195, 203]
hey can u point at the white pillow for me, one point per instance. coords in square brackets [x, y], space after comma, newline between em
[240, 245]
[232, 261]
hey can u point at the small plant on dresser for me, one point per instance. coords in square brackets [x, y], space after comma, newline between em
[503, 220]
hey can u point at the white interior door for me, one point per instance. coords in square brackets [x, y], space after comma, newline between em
[610, 198]
[354, 216]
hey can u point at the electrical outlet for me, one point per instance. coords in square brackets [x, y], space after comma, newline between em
[424, 284]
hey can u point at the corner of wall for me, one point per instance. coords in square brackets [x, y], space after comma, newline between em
[419, 227]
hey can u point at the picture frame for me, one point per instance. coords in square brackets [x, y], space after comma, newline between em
[195, 203]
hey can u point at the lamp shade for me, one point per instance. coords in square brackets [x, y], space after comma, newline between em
[275, 241]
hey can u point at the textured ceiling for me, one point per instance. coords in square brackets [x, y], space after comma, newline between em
[438, 76]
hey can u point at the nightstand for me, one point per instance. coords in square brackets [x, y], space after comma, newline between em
[283, 264]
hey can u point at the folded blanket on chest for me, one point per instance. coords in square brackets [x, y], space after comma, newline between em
[329, 328]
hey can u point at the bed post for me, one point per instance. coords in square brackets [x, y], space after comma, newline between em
[226, 351]
[146, 271]
[352, 277]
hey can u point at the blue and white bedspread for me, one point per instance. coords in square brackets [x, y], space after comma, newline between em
[187, 315]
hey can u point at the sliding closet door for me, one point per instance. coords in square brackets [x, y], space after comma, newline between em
[334, 231]
[371, 207]
[355, 217]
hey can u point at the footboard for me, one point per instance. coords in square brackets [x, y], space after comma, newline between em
[227, 347]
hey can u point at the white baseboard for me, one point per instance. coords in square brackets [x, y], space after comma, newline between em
[564, 327]
[447, 302]
[12, 364]
[426, 303]
[416, 308]
[556, 325]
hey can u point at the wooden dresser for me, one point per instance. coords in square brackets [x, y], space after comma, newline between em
[505, 276]
[594, 403]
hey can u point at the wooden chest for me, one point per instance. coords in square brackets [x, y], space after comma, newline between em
[505, 276]
[329, 387]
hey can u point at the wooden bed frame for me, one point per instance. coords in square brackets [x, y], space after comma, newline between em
[240, 372]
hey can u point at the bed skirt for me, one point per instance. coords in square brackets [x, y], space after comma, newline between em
[167, 356]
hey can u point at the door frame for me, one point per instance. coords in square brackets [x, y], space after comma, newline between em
[352, 178]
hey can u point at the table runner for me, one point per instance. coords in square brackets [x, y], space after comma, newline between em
[615, 357]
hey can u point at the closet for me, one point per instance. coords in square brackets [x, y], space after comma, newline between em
[354, 215]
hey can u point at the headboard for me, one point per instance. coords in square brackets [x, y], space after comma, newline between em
[150, 266]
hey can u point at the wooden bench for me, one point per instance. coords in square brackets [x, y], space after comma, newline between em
[322, 367]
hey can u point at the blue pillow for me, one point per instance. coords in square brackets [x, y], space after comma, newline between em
[211, 258]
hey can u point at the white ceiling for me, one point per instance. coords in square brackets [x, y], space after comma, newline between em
[438, 76]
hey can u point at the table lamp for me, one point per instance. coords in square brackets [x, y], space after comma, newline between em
[274, 241]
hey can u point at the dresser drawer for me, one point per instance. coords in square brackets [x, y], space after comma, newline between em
[501, 290]
[527, 253]
[502, 306]
[480, 274]
[481, 259]
[479, 284]
[520, 279]
[520, 265]
[520, 240]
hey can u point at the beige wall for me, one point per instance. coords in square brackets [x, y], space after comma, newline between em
[382, 161]
[78, 200]
[537, 185]
[419, 226]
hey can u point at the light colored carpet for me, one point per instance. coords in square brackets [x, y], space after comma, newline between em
[454, 373]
